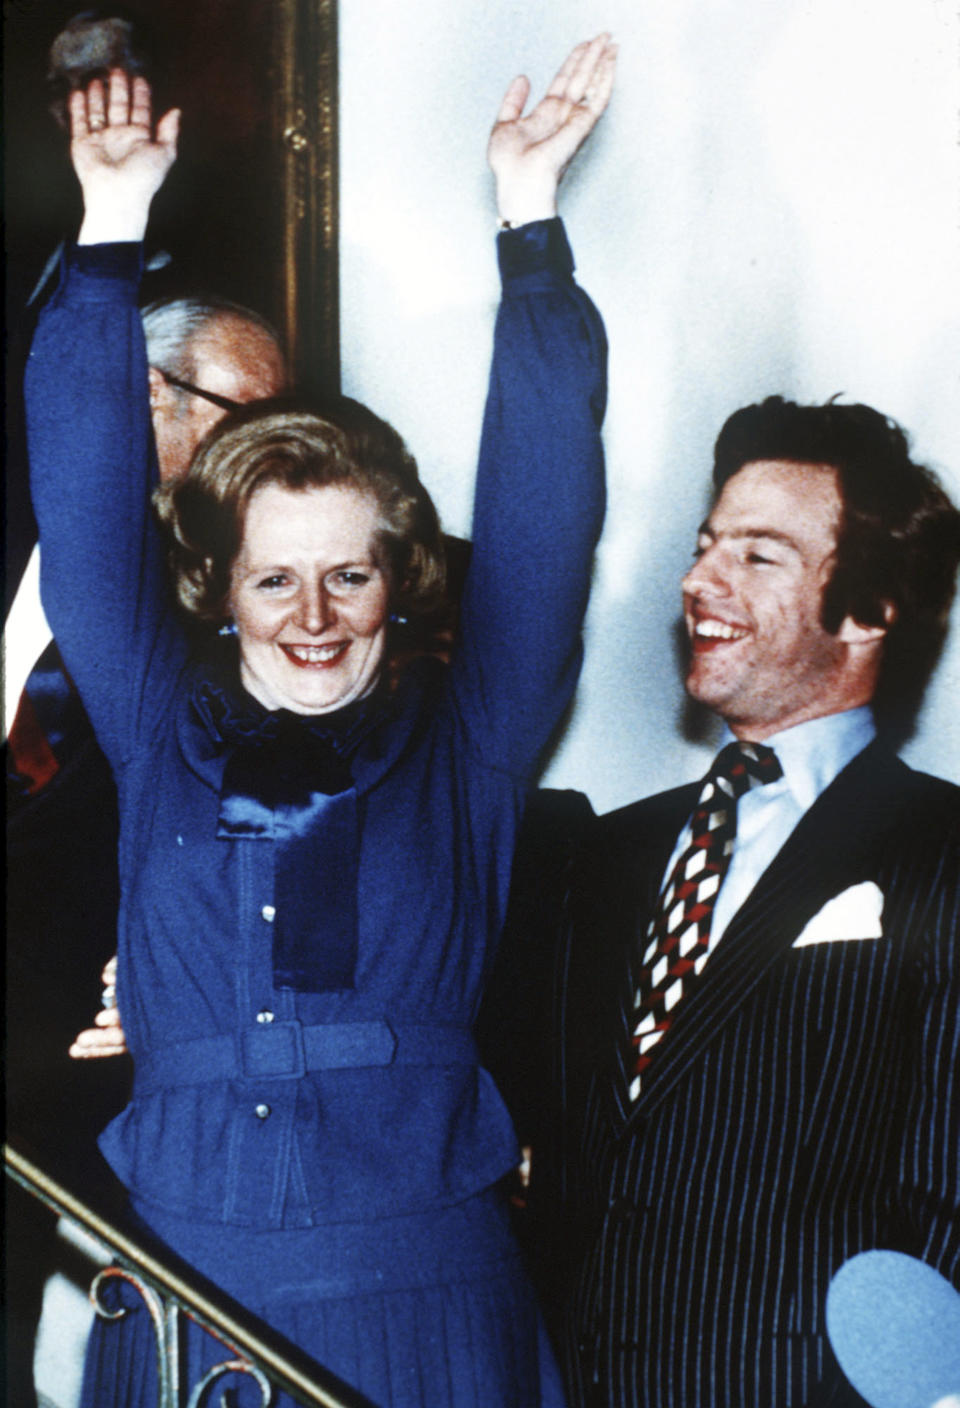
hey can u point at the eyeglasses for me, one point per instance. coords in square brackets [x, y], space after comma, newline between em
[223, 402]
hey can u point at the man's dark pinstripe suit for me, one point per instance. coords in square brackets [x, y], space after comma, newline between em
[805, 1105]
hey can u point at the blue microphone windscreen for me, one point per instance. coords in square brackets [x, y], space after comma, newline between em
[894, 1324]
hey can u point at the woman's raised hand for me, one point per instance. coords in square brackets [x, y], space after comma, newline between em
[120, 159]
[529, 154]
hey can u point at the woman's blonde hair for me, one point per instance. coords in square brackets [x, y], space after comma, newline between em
[276, 443]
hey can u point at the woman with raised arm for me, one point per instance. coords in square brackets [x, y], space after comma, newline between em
[315, 852]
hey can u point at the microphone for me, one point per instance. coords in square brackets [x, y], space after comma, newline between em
[894, 1324]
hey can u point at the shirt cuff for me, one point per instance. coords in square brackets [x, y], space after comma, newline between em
[531, 249]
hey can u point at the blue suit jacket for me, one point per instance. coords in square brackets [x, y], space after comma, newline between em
[804, 1107]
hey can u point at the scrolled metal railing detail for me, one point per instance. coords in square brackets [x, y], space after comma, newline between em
[165, 1326]
[166, 1329]
[234, 1366]
[252, 1349]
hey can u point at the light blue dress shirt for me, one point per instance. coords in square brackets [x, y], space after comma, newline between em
[811, 754]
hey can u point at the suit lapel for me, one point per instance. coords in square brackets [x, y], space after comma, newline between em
[834, 845]
[616, 887]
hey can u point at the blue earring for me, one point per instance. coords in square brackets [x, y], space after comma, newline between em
[397, 620]
[228, 629]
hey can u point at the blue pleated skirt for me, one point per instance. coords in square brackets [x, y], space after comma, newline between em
[425, 1311]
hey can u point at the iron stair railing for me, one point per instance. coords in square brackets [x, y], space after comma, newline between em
[251, 1349]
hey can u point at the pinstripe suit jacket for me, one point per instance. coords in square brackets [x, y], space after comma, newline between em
[805, 1105]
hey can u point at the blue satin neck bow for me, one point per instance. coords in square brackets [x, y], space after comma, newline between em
[287, 778]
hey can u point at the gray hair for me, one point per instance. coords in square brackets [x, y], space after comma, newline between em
[171, 324]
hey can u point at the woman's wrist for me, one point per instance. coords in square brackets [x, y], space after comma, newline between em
[523, 203]
[115, 209]
[112, 226]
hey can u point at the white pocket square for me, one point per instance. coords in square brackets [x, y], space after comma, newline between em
[853, 914]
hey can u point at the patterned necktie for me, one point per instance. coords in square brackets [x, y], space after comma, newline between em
[679, 932]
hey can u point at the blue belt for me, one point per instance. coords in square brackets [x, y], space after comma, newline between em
[288, 1050]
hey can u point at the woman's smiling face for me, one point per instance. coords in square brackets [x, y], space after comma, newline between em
[309, 594]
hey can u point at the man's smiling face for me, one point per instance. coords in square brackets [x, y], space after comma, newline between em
[752, 602]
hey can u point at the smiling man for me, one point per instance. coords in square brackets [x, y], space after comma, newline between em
[760, 653]
[759, 983]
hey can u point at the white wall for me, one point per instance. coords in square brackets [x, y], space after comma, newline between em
[770, 206]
